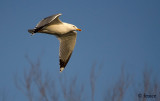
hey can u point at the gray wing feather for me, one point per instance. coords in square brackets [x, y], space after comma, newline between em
[49, 20]
[67, 44]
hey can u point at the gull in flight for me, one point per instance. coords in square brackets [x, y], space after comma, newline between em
[65, 32]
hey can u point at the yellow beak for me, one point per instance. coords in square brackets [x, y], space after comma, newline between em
[78, 29]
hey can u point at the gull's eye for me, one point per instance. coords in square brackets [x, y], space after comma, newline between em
[73, 26]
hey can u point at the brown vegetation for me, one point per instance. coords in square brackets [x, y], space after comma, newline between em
[38, 86]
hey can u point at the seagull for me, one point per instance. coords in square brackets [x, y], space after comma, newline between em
[65, 32]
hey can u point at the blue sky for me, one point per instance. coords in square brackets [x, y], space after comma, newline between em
[113, 33]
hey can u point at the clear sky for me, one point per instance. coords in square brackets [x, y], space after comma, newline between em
[114, 32]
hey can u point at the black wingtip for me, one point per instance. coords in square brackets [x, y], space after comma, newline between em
[61, 69]
[32, 31]
[62, 63]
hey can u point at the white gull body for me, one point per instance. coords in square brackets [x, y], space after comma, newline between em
[65, 32]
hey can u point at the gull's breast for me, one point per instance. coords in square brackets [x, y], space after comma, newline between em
[58, 29]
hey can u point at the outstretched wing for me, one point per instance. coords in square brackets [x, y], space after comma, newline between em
[67, 44]
[49, 20]
[54, 19]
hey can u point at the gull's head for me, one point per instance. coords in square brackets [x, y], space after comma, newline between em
[71, 27]
[75, 28]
